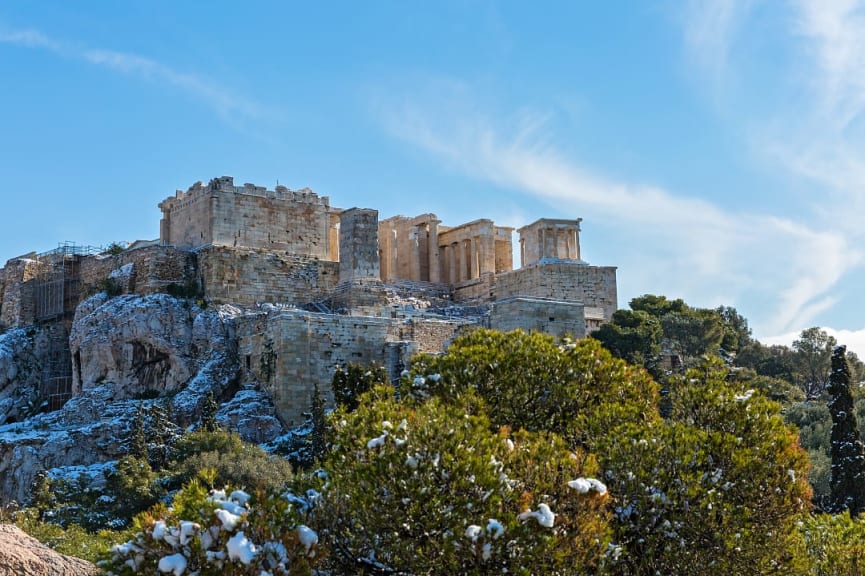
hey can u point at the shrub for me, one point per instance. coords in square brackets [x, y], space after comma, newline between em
[217, 533]
[234, 461]
[430, 489]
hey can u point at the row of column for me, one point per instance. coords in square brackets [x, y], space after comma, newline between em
[561, 243]
[467, 259]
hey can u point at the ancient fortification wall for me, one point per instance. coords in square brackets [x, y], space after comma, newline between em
[430, 335]
[548, 316]
[16, 304]
[247, 276]
[593, 286]
[291, 352]
[249, 216]
[150, 269]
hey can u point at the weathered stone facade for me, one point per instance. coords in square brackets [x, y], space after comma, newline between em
[291, 351]
[350, 287]
[247, 276]
[220, 213]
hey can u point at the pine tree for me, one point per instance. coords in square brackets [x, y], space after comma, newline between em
[847, 481]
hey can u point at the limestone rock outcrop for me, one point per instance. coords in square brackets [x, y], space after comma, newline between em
[90, 428]
[20, 373]
[23, 555]
[252, 414]
[143, 345]
[124, 349]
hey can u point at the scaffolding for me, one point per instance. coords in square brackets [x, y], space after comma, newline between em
[56, 292]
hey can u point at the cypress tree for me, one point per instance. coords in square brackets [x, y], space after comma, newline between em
[319, 441]
[208, 413]
[847, 481]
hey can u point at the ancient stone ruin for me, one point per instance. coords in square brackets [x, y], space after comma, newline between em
[315, 286]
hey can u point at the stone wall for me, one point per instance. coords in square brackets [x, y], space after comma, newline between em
[593, 286]
[16, 302]
[536, 314]
[153, 269]
[220, 213]
[247, 276]
[291, 352]
[431, 335]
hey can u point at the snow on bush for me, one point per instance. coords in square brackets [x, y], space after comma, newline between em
[442, 492]
[211, 533]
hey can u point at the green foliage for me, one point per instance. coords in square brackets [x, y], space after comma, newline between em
[737, 333]
[352, 380]
[132, 487]
[110, 286]
[847, 481]
[208, 413]
[657, 327]
[234, 461]
[634, 336]
[835, 545]
[577, 390]
[154, 434]
[319, 425]
[813, 359]
[422, 488]
[115, 248]
[189, 290]
[772, 361]
[716, 489]
[215, 533]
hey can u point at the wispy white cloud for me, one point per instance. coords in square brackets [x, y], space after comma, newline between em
[821, 140]
[814, 137]
[712, 250]
[710, 28]
[836, 33]
[228, 105]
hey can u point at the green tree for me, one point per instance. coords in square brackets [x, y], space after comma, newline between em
[319, 425]
[718, 488]
[208, 413]
[848, 454]
[773, 361]
[835, 544]
[737, 333]
[697, 493]
[813, 360]
[225, 532]
[452, 496]
[634, 336]
[574, 389]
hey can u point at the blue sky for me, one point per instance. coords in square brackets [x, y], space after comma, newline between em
[712, 148]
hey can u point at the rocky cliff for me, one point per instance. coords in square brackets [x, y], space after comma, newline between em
[126, 351]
